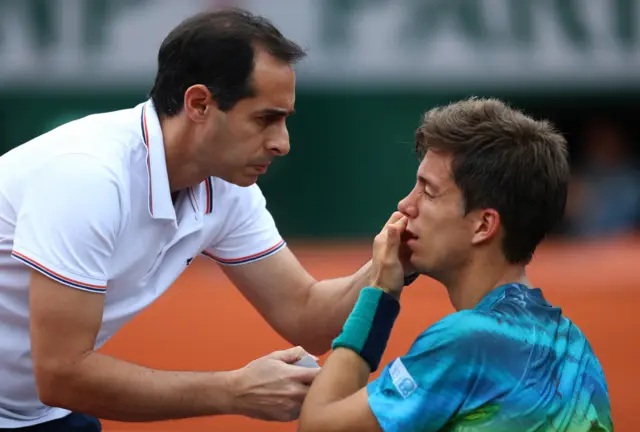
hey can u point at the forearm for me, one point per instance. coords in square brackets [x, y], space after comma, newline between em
[113, 389]
[343, 374]
[328, 304]
[337, 400]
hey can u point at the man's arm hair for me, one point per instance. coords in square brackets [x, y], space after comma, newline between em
[69, 374]
[301, 309]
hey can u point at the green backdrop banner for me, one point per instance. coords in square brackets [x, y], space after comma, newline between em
[351, 156]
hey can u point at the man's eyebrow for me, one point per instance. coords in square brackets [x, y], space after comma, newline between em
[428, 183]
[277, 112]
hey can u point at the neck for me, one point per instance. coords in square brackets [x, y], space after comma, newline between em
[182, 168]
[479, 278]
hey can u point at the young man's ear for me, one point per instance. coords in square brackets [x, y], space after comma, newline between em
[486, 225]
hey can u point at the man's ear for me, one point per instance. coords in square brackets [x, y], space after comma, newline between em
[197, 102]
[486, 225]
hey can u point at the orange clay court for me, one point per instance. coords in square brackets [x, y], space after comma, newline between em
[203, 323]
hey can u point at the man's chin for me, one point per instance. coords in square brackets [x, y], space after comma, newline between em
[418, 266]
[247, 183]
[243, 180]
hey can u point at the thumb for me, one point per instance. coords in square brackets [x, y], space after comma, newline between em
[290, 355]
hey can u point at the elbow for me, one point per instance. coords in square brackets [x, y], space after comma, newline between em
[315, 340]
[313, 344]
[54, 385]
[317, 348]
[50, 392]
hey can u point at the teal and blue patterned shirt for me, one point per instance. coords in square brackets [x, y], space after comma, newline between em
[514, 363]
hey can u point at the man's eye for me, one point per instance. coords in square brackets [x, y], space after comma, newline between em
[267, 120]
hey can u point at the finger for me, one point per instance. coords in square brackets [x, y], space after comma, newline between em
[396, 216]
[306, 375]
[394, 230]
[393, 238]
[400, 223]
[290, 355]
[299, 391]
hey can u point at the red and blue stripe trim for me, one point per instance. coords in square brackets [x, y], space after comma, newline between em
[100, 289]
[209, 189]
[145, 139]
[247, 259]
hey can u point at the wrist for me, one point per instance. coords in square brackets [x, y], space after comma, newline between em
[391, 284]
[369, 325]
[395, 293]
[223, 391]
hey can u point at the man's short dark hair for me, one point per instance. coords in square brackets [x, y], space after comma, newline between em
[505, 160]
[216, 49]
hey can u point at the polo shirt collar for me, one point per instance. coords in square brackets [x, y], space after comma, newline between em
[160, 203]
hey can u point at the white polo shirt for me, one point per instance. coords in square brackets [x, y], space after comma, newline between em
[88, 204]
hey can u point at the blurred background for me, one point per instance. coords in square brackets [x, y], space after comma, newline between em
[374, 67]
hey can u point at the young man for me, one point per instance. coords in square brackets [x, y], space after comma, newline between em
[492, 183]
[100, 216]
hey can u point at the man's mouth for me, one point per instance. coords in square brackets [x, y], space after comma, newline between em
[261, 168]
[408, 235]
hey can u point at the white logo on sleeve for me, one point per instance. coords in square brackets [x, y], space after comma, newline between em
[402, 379]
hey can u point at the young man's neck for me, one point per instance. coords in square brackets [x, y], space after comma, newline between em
[479, 278]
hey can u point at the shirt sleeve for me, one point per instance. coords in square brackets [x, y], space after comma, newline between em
[68, 221]
[252, 236]
[425, 389]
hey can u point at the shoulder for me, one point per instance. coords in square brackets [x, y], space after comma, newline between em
[113, 135]
[74, 175]
[111, 141]
[465, 330]
[106, 134]
[463, 324]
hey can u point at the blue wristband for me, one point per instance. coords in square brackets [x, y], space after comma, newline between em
[369, 325]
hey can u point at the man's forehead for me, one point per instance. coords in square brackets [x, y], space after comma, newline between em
[274, 102]
[435, 168]
[274, 83]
